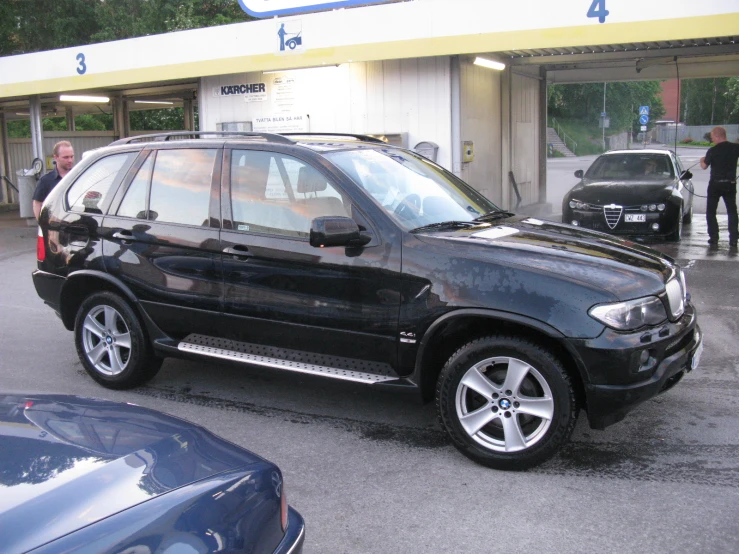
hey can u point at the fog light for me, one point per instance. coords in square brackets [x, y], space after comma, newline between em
[655, 226]
[575, 222]
[644, 358]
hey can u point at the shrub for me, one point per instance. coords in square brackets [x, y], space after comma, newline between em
[687, 140]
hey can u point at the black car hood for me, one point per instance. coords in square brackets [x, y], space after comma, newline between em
[620, 268]
[67, 462]
[623, 193]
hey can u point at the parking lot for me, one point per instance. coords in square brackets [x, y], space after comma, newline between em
[372, 472]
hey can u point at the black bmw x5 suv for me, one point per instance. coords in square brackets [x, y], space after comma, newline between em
[344, 257]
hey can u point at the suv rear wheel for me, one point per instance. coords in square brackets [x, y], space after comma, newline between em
[505, 402]
[111, 343]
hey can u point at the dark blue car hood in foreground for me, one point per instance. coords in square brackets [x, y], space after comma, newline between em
[67, 462]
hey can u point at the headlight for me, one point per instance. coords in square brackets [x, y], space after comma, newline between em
[652, 207]
[573, 204]
[626, 316]
[661, 207]
[576, 204]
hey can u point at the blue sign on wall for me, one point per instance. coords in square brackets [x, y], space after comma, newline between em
[643, 119]
[270, 8]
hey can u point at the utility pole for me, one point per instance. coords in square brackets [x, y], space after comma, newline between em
[602, 118]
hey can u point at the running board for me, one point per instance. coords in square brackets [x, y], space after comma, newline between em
[246, 353]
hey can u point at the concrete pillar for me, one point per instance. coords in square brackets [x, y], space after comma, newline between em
[506, 135]
[5, 194]
[70, 119]
[542, 134]
[37, 130]
[189, 109]
[456, 93]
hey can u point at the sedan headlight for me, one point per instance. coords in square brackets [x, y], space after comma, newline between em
[630, 315]
[576, 204]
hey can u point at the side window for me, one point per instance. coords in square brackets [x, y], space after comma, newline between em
[180, 186]
[134, 203]
[91, 188]
[278, 194]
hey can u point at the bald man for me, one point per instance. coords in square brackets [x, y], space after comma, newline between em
[722, 159]
[64, 158]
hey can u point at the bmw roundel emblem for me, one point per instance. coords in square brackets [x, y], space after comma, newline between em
[505, 403]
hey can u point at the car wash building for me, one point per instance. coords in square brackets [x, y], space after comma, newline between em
[464, 82]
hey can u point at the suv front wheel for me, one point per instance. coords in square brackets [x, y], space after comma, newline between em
[505, 402]
[111, 343]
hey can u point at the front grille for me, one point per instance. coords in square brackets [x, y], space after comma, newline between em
[613, 214]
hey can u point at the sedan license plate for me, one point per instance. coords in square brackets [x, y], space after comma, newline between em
[696, 356]
[636, 218]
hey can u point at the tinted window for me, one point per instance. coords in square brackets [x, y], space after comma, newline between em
[409, 188]
[631, 167]
[273, 193]
[180, 186]
[134, 203]
[91, 188]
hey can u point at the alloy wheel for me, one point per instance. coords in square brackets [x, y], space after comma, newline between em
[106, 340]
[504, 404]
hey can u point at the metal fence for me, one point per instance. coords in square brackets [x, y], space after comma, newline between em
[666, 133]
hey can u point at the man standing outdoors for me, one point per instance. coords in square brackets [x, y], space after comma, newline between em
[722, 157]
[64, 158]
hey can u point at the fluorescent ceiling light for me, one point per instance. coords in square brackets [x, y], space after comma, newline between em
[300, 69]
[153, 102]
[89, 99]
[490, 64]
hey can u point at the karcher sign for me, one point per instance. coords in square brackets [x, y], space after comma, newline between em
[269, 8]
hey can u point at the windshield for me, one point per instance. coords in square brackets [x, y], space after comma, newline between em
[631, 167]
[412, 190]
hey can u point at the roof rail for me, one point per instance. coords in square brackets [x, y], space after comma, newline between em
[366, 138]
[198, 134]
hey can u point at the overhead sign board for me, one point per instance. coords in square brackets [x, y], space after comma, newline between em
[269, 8]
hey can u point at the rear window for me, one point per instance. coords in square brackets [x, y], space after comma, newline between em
[89, 191]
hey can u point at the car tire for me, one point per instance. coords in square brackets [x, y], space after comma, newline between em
[506, 403]
[677, 233]
[111, 342]
[688, 217]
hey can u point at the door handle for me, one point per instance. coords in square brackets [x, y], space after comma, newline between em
[125, 236]
[237, 250]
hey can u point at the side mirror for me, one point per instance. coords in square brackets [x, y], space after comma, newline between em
[579, 173]
[337, 231]
[686, 175]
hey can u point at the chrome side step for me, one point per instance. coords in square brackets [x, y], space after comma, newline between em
[265, 356]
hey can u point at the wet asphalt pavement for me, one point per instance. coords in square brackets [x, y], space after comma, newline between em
[372, 472]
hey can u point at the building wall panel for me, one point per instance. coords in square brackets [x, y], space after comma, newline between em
[481, 124]
[412, 97]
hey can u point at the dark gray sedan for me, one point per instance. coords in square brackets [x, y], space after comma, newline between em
[633, 193]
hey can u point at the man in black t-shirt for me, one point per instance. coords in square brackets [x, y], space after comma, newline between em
[64, 159]
[722, 158]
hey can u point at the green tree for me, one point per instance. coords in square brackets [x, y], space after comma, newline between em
[584, 102]
[708, 101]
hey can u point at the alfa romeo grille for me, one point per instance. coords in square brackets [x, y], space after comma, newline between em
[613, 214]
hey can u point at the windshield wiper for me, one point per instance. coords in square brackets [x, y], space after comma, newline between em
[443, 225]
[497, 214]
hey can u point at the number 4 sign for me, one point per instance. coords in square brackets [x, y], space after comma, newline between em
[598, 9]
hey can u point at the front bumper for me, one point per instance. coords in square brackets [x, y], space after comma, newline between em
[619, 380]
[596, 221]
